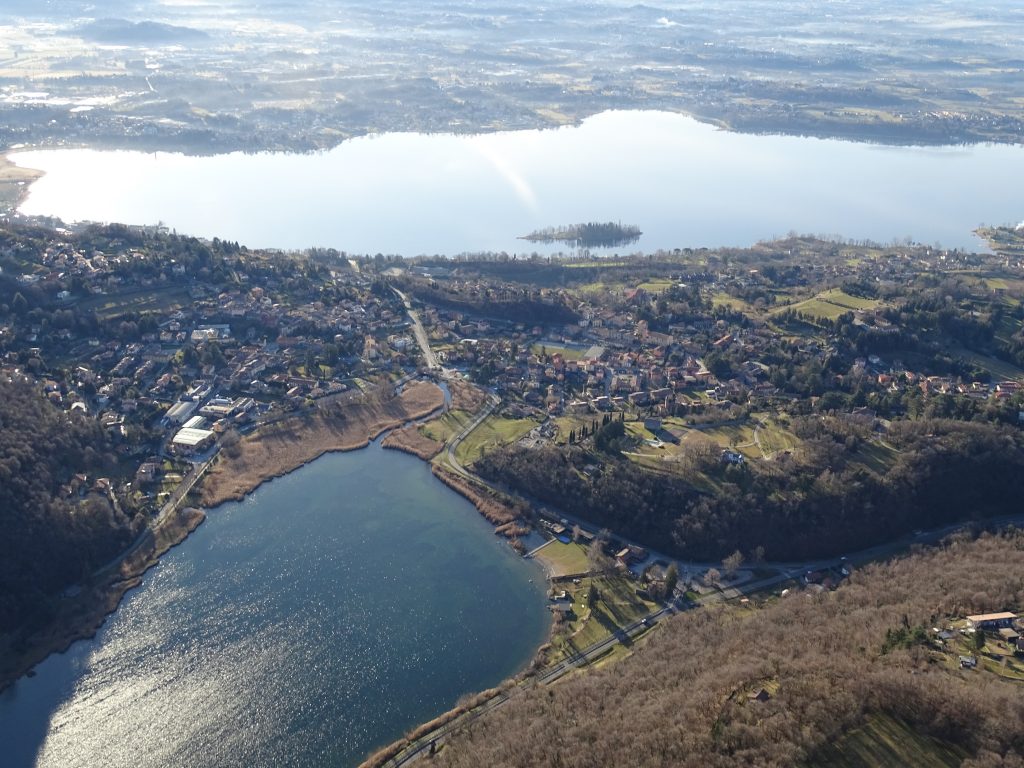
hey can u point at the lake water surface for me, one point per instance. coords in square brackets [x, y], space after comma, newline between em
[324, 616]
[684, 183]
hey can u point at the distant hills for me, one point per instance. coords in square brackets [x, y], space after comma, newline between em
[124, 32]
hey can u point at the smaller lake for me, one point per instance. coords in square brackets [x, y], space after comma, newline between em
[684, 183]
[324, 616]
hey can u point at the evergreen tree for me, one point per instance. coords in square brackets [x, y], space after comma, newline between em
[671, 580]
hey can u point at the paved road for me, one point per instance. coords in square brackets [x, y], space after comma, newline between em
[492, 402]
[623, 635]
[421, 746]
[421, 335]
[170, 507]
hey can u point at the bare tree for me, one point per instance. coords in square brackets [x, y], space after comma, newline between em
[599, 561]
[732, 564]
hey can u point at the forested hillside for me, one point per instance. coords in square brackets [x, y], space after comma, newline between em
[820, 501]
[50, 537]
[514, 304]
[832, 663]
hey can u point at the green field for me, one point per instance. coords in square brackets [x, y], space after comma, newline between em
[998, 369]
[877, 456]
[830, 304]
[738, 436]
[656, 286]
[603, 263]
[636, 429]
[843, 299]
[493, 433]
[570, 423]
[884, 741]
[996, 283]
[448, 426]
[142, 301]
[722, 299]
[552, 349]
[775, 437]
[563, 559]
[617, 607]
[598, 287]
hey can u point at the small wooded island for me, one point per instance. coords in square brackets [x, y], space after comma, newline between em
[590, 235]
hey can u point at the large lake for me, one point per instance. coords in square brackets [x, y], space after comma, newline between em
[325, 615]
[684, 183]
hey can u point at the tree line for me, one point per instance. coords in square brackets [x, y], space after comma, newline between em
[819, 501]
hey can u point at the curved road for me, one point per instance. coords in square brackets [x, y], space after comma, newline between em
[421, 746]
[492, 402]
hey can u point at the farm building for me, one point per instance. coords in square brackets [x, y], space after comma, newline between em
[990, 622]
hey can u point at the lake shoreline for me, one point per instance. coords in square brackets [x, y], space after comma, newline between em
[15, 183]
[104, 599]
[297, 441]
[407, 439]
[81, 616]
[88, 611]
[645, 149]
[508, 665]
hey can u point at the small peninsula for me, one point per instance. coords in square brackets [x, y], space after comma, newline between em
[590, 235]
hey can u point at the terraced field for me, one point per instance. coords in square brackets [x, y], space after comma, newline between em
[885, 741]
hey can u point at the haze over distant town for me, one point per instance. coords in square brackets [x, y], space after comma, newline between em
[209, 76]
[511, 383]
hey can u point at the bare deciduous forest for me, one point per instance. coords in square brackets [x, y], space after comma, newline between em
[829, 661]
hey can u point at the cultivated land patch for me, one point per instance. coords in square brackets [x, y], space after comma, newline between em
[830, 304]
[142, 302]
[567, 353]
[493, 432]
[886, 741]
[560, 559]
[998, 369]
[723, 299]
[616, 605]
[446, 427]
